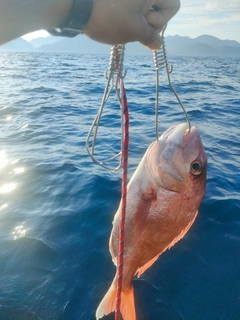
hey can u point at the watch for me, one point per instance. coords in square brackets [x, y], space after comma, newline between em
[79, 16]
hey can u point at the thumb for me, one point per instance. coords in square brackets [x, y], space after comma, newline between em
[151, 38]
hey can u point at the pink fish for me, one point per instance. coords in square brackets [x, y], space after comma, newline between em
[163, 198]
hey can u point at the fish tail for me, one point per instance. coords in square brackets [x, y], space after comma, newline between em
[108, 304]
[127, 304]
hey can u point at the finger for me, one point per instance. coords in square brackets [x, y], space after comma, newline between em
[159, 16]
[151, 38]
[168, 7]
[156, 19]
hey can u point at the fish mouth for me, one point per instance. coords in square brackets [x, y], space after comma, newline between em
[180, 134]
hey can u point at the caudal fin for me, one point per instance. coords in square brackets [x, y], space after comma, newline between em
[108, 304]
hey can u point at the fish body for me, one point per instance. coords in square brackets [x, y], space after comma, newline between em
[163, 197]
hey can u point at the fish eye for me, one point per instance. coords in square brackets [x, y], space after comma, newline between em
[196, 168]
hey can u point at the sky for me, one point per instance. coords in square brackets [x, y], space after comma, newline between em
[219, 18]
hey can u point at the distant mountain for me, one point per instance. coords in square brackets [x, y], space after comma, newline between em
[17, 45]
[38, 42]
[215, 42]
[79, 44]
[83, 44]
[204, 45]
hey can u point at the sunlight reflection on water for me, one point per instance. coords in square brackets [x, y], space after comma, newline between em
[8, 187]
[3, 158]
[19, 232]
[6, 167]
[3, 206]
[18, 170]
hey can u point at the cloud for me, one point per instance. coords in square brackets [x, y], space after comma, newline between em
[218, 18]
[36, 34]
[223, 5]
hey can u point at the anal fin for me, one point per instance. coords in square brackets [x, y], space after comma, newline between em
[142, 269]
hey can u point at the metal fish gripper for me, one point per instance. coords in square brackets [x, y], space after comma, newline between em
[114, 77]
[160, 62]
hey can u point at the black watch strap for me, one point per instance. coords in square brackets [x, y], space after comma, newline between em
[80, 14]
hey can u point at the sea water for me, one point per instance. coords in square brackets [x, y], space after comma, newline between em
[57, 206]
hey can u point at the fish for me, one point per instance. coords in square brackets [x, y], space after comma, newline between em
[163, 198]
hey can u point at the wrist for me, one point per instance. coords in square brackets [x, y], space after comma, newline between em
[76, 20]
[23, 16]
[50, 13]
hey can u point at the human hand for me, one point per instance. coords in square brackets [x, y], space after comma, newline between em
[122, 21]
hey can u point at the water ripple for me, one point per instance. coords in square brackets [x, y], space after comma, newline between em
[57, 207]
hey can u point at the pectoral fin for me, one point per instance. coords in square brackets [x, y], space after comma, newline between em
[143, 208]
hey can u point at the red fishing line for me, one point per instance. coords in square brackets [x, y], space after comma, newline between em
[125, 145]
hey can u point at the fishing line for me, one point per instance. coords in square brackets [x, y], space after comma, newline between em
[125, 148]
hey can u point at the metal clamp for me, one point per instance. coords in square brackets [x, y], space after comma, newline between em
[114, 76]
[160, 61]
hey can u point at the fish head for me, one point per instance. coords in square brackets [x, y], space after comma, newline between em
[178, 161]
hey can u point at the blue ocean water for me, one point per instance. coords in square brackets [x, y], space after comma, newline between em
[57, 206]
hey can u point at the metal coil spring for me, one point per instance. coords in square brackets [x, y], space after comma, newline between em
[158, 58]
[116, 61]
